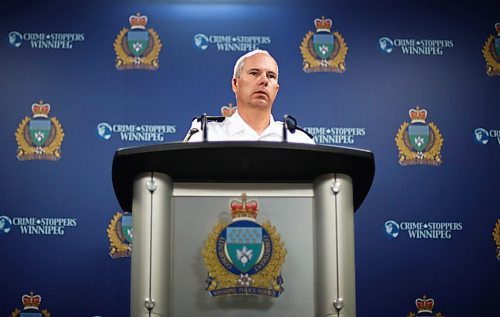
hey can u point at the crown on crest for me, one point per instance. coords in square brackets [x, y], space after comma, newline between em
[424, 305]
[40, 109]
[31, 301]
[243, 208]
[138, 21]
[323, 25]
[417, 115]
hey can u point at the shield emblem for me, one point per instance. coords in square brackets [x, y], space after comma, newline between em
[323, 44]
[127, 226]
[497, 46]
[30, 313]
[137, 42]
[419, 136]
[244, 244]
[39, 131]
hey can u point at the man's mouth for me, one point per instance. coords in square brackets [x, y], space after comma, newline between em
[262, 92]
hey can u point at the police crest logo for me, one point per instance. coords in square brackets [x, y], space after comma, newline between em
[496, 236]
[120, 235]
[39, 137]
[323, 51]
[418, 142]
[425, 308]
[137, 48]
[31, 307]
[491, 53]
[243, 257]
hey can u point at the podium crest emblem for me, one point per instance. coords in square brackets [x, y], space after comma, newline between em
[491, 53]
[244, 257]
[324, 50]
[39, 137]
[120, 235]
[137, 48]
[496, 236]
[418, 142]
[31, 307]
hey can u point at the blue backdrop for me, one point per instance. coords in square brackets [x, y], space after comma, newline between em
[57, 199]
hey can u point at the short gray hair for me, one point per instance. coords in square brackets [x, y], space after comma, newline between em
[241, 62]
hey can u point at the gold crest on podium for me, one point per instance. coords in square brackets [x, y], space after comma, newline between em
[244, 257]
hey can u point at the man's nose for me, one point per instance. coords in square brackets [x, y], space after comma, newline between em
[263, 79]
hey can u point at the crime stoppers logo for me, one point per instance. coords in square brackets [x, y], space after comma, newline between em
[36, 225]
[421, 230]
[231, 43]
[31, 307]
[46, 40]
[409, 46]
[482, 136]
[39, 137]
[5, 225]
[135, 132]
[419, 142]
[335, 135]
[323, 51]
[425, 307]
[137, 48]
[491, 53]
[244, 257]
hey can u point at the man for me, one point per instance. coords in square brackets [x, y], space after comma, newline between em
[255, 85]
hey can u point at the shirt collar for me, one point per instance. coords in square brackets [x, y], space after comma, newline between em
[237, 124]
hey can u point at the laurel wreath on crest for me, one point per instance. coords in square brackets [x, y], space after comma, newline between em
[17, 313]
[124, 61]
[336, 62]
[116, 244]
[492, 66]
[405, 152]
[53, 144]
[496, 236]
[413, 315]
[225, 279]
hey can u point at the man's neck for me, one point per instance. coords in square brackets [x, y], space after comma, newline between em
[257, 119]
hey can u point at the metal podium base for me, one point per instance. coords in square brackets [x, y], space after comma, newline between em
[171, 222]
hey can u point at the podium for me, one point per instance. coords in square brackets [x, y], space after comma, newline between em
[177, 192]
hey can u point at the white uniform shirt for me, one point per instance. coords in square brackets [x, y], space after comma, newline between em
[235, 129]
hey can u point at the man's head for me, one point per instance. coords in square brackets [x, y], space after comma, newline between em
[255, 80]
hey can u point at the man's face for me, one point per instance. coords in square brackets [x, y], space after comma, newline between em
[257, 85]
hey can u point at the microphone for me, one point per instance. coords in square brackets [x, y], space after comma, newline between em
[204, 127]
[289, 124]
[204, 119]
[190, 133]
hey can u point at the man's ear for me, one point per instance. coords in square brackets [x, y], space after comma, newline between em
[234, 84]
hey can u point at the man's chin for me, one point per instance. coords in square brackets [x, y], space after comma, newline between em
[264, 104]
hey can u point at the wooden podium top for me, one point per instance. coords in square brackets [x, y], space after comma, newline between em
[241, 162]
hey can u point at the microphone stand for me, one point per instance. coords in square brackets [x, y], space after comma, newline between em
[289, 124]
